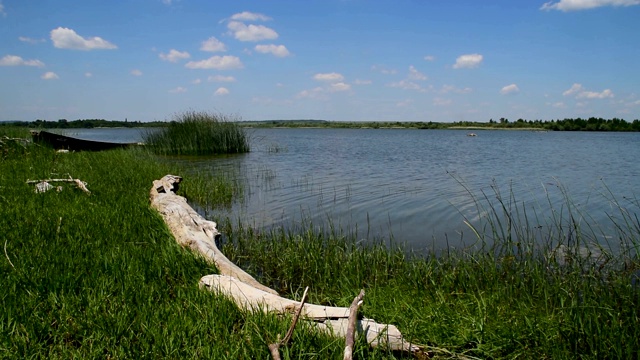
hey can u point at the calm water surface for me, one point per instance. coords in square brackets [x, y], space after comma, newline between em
[412, 184]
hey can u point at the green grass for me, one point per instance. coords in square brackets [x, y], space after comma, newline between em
[199, 133]
[99, 276]
[507, 296]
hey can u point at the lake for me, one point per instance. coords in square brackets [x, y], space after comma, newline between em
[419, 186]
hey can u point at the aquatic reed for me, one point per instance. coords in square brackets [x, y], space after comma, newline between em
[198, 133]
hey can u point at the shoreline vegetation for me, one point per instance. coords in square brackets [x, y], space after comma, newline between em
[99, 275]
[577, 124]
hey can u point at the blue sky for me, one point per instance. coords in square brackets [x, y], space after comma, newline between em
[345, 60]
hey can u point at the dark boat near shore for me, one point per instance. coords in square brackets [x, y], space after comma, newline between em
[58, 141]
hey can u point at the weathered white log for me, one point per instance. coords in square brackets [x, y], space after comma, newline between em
[192, 230]
[43, 185]
[327, 318]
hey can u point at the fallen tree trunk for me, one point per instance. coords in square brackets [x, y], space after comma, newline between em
[192, 230]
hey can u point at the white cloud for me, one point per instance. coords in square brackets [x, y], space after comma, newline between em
[65, 38]
[221, 91]
[468, 61]
[441, 102]
[510, 89]
[88, 74]
[213, 45]
[579, 91]
[13, 60]
[178, 90]
[251, 32]
[414, 74]
[2, 12]
[136, 72]
[450, 88]
[559, 105]
[313, 93]
[249, 16]
[277, 50]
[336, 87]
[383, 70]
[406, 85]
[174, 56]
[607, 93]
[196, 81]
[216, 62]
[362, 82]
[577, 5]
[430, 58]
[220, 78]
[332, 77]
[30, 40]
[575, 88]
[49, 75]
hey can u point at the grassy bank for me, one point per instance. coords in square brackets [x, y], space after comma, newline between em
[198, 133]
[99, 276]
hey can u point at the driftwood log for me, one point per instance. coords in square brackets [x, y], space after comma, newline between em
[193, 231]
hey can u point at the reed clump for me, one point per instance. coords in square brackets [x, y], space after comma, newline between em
[199, 133]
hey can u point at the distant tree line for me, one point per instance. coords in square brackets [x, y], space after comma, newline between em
[578, 124]
[81, 124]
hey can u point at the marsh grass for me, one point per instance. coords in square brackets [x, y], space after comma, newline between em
[198, 133]
[507, 296]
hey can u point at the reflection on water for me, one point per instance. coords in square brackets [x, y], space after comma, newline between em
[420, 186]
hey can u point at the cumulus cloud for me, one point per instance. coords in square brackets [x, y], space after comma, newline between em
[332, 77]
[136, 72]
[213, 45]
[277, 50]
[216, 62]
[606, 93]
[510, 89]
[221, 91]
[2, 12]
[251, 32]
[30, 40]
[88, 74]
[174, 56]
[468, 61]
[196, 81]
[49, 75]
[340, 86]
[581, 93]
[575, 88]
[383, 70]
[13, 60]
[313, 93]
[450, 88]
[430, 58]
[220, 78]
[441, 102]
[178, 90]
[406, 85]
[249, 16]
[65, 38]
[577, 5]
[414, 74]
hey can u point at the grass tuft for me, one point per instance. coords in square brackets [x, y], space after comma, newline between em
[199, 133]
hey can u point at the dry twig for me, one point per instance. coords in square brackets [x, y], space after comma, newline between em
[275, 347]
[351, 329]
